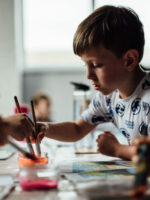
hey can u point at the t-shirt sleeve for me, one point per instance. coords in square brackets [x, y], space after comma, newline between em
[147, 117]
[97, 111]
[144, 126]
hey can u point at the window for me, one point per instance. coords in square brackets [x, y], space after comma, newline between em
[49, 27]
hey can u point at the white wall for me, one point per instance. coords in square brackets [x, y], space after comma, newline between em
[9, 76]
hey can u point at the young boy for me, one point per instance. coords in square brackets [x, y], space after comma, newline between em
[42, 106]
[18, 126]
[110, 42]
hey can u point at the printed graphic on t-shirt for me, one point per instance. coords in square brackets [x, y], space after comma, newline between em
[120, 108]
[111, 112]
[146, 107]
[108, 101]
[96, 103]
[129, 124]
[125, 133]
[136, 106]
[143, 129]
[96, 119]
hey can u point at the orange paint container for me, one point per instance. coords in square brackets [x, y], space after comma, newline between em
[24, 161]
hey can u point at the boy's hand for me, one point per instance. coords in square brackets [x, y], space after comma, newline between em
[107, 144]
[41, 129]
[18, 126]
[140, 140]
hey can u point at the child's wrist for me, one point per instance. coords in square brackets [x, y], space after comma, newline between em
[46, 127]
[117, 150]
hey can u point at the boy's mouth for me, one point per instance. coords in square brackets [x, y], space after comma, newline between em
[96, 87]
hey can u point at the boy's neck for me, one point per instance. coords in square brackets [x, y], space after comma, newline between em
[131, 84]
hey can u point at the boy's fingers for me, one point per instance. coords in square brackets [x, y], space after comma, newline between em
[33, 140]
[135, 159]
[107, 132]
[40, 136]
[137, 141]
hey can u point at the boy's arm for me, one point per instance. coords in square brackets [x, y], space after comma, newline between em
[65, 131]
[109, 145]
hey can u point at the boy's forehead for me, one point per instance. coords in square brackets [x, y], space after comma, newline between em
[96, 53]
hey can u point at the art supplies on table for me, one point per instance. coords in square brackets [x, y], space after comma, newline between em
[35, 133]
[81, 166]
[28, 141]
[24, 161]
[32, 154]
[37, 177]
[142, 170]
[98, 175]
[25, 153]
[42, 183]
[86, 151]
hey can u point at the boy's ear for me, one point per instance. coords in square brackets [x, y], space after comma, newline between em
[131, 59]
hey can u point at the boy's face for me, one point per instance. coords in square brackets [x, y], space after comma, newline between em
[104, 69]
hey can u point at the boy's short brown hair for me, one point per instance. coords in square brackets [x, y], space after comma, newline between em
[116, 28]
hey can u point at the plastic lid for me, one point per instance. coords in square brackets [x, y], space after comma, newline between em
[80, 86]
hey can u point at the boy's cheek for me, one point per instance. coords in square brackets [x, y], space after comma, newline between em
[3, 139]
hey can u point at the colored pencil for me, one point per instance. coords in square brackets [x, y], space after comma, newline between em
[25, 153]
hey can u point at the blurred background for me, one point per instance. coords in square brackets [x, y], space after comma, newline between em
[36, 50]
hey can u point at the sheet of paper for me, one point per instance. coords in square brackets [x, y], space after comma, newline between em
[6, 179]
[92, 176]
[6, 185]
[81, 166]
[5, 154]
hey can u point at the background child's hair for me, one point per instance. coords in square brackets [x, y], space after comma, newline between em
[116, 28]
[38, 97]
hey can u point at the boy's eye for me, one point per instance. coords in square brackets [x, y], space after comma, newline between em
[97, 65]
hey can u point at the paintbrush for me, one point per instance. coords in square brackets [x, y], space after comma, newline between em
[36, 131]
[27, 138]
[25, 153]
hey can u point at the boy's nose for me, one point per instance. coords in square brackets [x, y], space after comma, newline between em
[89, 73]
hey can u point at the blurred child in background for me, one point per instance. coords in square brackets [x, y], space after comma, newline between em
[42, 106]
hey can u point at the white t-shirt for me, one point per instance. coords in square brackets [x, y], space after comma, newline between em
[131, 115]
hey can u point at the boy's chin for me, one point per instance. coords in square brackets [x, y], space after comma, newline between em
[106, 91]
